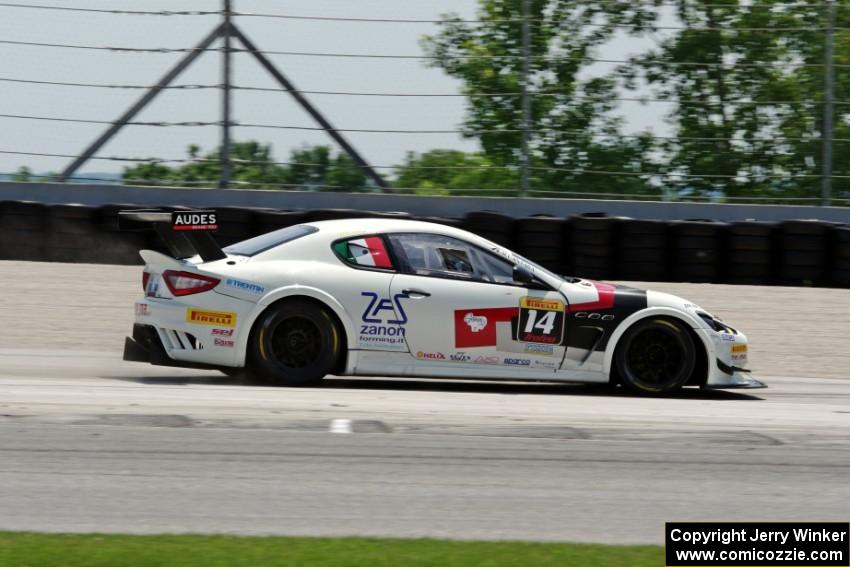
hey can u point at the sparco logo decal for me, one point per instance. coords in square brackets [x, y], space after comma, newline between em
[213, 318]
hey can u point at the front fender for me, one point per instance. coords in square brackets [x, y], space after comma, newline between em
[689, 319]
[295, 291]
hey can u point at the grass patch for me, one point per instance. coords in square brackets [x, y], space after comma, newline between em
[97, 550]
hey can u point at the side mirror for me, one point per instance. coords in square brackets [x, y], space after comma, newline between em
[522, 275]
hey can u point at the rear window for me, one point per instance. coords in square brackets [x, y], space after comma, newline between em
[254, 246]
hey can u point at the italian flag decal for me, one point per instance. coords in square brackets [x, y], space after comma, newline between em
[369, 251]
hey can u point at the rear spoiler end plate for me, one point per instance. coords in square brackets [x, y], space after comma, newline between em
[184, 233]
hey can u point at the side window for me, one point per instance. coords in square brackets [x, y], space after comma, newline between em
[443, 256]
[365, 252]
[435, 255]
[495, 269]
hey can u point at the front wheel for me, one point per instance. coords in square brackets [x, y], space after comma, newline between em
[296, 343]
[655, 356]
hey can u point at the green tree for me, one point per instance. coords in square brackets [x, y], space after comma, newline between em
[23, 175]
[443, 172]
[724, 73]
[253, 167]
[576, 136]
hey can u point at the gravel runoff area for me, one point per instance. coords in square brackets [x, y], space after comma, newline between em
[793, 331]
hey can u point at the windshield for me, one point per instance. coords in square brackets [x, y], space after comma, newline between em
[537, 267]
[254, 246]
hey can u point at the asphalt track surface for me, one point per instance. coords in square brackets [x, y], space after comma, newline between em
[91, 443]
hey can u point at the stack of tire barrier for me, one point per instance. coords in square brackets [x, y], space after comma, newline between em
[841, 256]
[545, 240]
[71, 235]
[644, 250]
[804, 252]
[24, 227]
[234, 224]
[750, 253]
[270, 220]
[793, 252]
[338, 214]
[593, 245]
[493, 226]
[114, 246]
[697, 249]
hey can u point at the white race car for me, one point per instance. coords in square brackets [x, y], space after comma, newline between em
[405, 298]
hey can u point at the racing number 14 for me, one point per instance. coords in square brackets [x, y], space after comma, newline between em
[541, 321]
[546, 323]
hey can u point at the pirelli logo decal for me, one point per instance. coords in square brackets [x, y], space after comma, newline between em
[212, 318]
[541, 304]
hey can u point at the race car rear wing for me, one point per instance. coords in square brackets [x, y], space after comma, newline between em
[185, 233]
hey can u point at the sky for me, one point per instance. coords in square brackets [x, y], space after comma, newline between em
[307, 73]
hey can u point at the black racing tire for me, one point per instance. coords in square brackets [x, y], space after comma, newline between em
[656, 356]
[296, 343]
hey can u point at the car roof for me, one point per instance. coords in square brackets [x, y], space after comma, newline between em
[341, 227]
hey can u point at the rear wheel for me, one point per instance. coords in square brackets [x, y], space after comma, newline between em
[655, 356]
[296, 343]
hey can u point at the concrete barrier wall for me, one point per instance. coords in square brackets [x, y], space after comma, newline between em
[450, 207]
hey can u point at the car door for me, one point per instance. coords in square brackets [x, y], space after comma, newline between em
[363, 287]
[463, 307]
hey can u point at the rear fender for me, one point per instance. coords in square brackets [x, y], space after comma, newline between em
[685, 317]
[296, 291]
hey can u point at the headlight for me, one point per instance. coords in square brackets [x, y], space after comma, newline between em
[716, 324]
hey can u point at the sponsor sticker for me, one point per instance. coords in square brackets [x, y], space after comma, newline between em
[431, 355]
[517, 361]
[367, 251]
[194, 220]
[727, 337]
[543, 364]
[478, 327]
[460, 357]
[739, 354]
[487, 360]
[248, 287]
[142, 310]
[212, 318]
[540, 321]
[476, 323]
[153, 287]
[537, 303]
[383, 322]
[227, 343]
[222, 332]
[540, 349]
